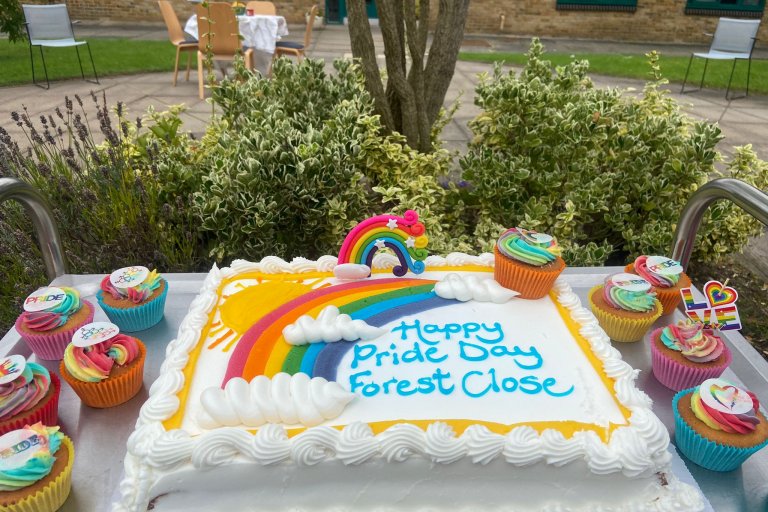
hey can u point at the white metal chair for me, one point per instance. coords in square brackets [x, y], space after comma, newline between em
[49, 25]
[733, 40]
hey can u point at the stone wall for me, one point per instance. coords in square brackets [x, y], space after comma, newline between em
[654, 20]
[125, 11]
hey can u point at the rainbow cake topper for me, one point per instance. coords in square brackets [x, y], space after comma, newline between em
[402, 235]
[718, 311]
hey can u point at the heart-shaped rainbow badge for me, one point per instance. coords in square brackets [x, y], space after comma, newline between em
[722, 396]
[719, 295]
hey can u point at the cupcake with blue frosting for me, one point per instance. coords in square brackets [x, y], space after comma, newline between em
[36, 474]
[133, 298]
[625, 307]
[718, 425]
[527, 262]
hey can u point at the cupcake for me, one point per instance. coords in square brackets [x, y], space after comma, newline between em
[625, 307]
[103, 367]
[685, 355]
[666, 277]
[718, 425]
[36, 474]
[527, 262]
[28, 394]
[50, 318]
[133, 298]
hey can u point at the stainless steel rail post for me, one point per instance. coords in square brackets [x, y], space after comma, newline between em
[42, 218]
[750, 199]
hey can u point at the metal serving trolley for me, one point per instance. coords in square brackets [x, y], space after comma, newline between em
[100, 435]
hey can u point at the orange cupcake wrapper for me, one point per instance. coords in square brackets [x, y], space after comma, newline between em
[48, 414]
[111, 391]
[531, 282]
[51, 497]
[669, 297]
[618, 328]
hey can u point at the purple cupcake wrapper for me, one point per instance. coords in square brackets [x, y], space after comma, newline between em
[136, 318]
[700, 450]
[676, 376]
[51, 346]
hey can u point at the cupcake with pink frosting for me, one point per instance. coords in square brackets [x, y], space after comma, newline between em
[666, 277]
[133, 298]
[105, 374]
[685, 355]
[50, 318]
[29, 394]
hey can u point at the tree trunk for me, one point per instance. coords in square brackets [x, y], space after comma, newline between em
[411, 102]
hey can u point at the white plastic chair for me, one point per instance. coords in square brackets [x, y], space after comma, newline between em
[732, 40]
[49, 25]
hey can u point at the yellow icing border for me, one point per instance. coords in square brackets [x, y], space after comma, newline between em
[567, 428]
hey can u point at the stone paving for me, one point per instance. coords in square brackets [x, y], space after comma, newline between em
[743, 121]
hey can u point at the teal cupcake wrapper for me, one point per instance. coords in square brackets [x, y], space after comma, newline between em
[700, 450]
[136, 318]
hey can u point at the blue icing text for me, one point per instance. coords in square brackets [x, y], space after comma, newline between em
[431, 345]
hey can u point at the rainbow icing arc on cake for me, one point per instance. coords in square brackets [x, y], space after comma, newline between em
[403, 235]
[263, 351]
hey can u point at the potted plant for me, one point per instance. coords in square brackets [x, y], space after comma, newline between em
[319, 20]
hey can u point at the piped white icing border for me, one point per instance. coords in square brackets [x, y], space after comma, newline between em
[637, 449]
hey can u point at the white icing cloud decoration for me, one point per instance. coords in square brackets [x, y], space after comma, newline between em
[464, 287]
[329, 326]
[287, 399]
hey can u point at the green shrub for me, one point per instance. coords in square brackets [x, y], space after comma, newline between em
[606, 173]
[12, 20]
[288, 170]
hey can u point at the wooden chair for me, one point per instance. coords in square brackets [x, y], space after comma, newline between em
[218, 24]
[267, 8]
[292, 48]
[182, 42]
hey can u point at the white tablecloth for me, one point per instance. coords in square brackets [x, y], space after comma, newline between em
[259, 32]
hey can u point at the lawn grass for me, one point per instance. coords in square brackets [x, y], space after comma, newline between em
[111, 56]
[636, 66]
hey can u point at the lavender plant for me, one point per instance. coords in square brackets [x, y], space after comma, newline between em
[104, 177]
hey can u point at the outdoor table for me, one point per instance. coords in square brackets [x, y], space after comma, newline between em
[100, 435]
[259, 31]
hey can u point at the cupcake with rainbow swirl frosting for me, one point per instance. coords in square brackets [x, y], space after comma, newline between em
[527, 262]
[625, 307]
[133, 298]
[666, 277]
[685, 355]
[718, 425]
[36, 474]
[50, 318]
[104, 367]
[29, 394]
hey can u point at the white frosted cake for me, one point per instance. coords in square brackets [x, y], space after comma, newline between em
[288, 388]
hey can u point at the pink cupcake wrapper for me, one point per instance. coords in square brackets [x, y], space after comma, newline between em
[676, 376]
[51, 346]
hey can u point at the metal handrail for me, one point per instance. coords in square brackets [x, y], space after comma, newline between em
[42, 218]
[752, 200]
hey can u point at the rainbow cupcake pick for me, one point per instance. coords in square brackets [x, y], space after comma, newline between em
[404, 236]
